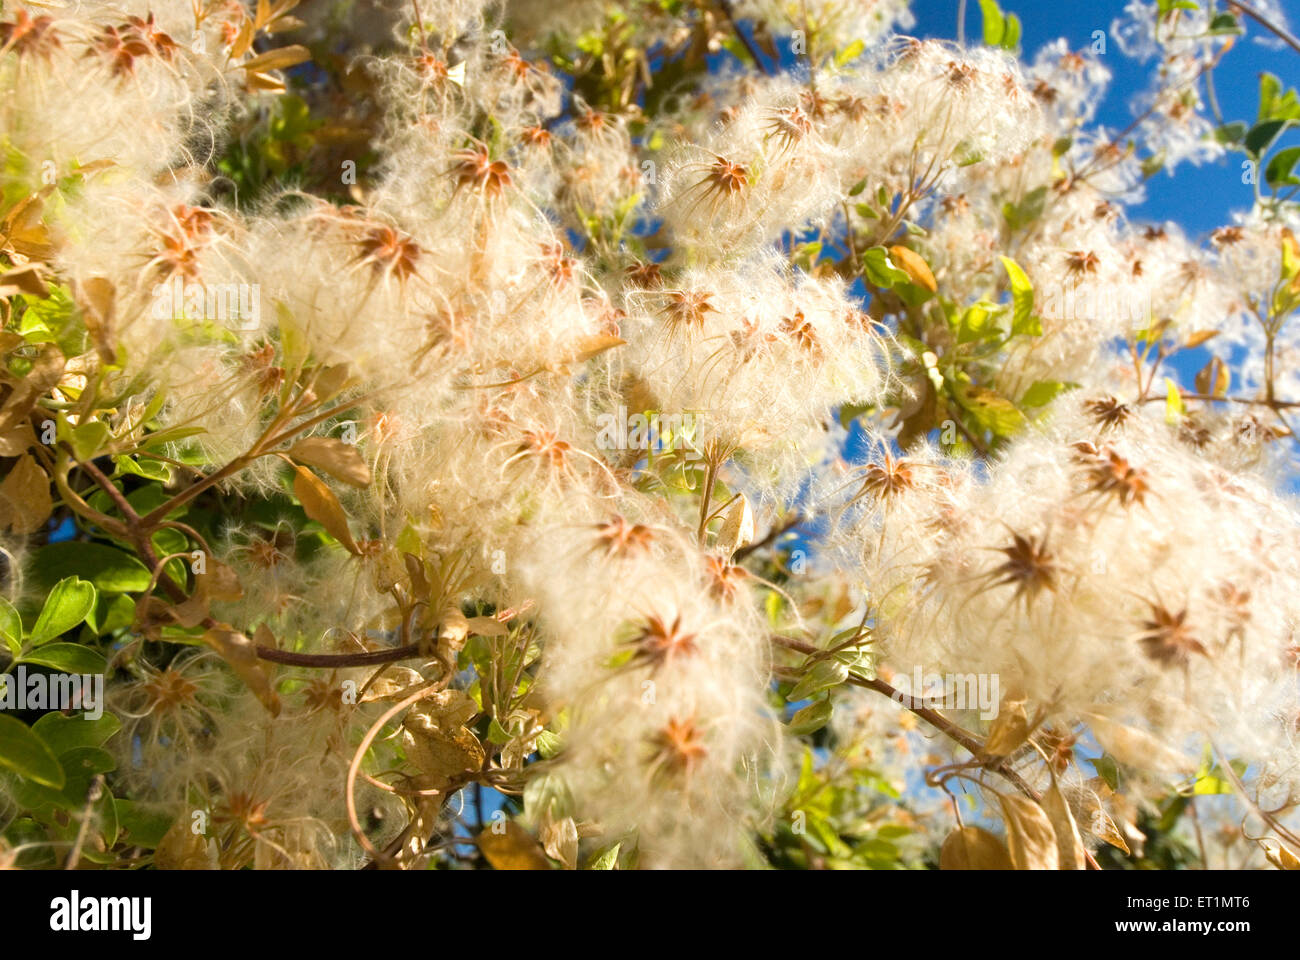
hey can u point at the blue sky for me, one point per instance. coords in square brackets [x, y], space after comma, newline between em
[1199, 198]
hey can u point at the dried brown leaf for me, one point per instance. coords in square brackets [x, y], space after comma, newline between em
[1030, 838]
[26, 280]
[100, 296]
[25, 501]
[1010, 729]
[338, 459]
[1069, 847]
[393, 683]
[241, 654]
[970, 848]
[737, 529]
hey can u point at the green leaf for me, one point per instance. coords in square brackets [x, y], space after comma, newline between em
[143, 827]
[849, 53]
[1022, 298]
[11, 627]
[109, 569]
[548, 744]
[66, 657]
[824, 674]
[68, 604]
[1231, 133]
[991, 410]
[1262, 135]
[812, 717]
[1029, 209]
[1041, 393]
[1279, 173]
[1107, 769]
[975, 324]
[1173, 402]
[1274, 104]
[149, 468]
[80, 764]
[88, 439]
[995, 24]
[497, 733]
[24, 753]
[880, 271]
[62, 733]
[106, 817]
[606, 859]
[1011, 35]
[1224, 23]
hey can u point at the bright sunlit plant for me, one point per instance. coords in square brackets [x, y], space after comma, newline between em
[606, 435]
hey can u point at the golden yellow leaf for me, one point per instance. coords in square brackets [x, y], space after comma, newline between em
[1103, 828]
[243, 40]
[264, 82]
[1199, 337]
[1030, 838]
[1283, 858]
[914, 265]
[513, 848]
[284, 24]
[970, 848]
[1010, 729]
[340, 460]
[276, 59]
[322, 506]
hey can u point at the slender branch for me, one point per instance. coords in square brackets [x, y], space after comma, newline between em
[1259, 402]
[1267, 24]
[729, 12]
[952, 731]
[333, 660]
